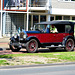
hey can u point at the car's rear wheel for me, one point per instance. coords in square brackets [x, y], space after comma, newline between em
[69, 46]
[32, 46]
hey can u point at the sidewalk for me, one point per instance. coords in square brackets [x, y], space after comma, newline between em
[4, 40]
[4, 43]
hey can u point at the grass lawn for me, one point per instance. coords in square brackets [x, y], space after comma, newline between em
[37, 58]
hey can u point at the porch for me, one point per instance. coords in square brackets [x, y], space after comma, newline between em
[22, 4]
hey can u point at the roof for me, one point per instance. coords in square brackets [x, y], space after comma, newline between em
[56, 22]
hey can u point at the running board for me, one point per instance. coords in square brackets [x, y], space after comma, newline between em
[52, 46]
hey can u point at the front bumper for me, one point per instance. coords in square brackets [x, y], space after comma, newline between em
[18, 42]
[18, 45]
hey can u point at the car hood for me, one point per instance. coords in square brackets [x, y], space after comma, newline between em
[31, 31]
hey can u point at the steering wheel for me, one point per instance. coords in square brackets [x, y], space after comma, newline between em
[40, 30]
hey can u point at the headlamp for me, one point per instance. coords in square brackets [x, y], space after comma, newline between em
[24, 36]
[15, 36]
[18, 34]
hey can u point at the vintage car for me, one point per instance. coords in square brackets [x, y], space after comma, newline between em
[41, 36]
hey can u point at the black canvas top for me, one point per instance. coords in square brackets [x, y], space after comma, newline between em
[56, 22]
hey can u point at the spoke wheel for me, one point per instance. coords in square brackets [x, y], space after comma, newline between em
[13, 48]
[69, 45]
[32, 46]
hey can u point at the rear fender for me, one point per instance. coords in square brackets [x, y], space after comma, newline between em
[66, 38]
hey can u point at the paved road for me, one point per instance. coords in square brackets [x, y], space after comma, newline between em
[42, 70]
[41, 50]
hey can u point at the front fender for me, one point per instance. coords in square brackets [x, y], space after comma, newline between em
[12, 39]
[33, 37]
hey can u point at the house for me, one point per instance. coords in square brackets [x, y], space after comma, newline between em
[63, 9]
[24, 14]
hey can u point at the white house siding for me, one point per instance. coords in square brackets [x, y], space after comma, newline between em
[63, 8]
[63, 5]
[0, 20]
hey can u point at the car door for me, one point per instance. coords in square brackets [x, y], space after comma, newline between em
[61, 35]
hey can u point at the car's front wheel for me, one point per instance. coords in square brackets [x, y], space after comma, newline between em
[69, 46]
[14, 49]
[32, 46]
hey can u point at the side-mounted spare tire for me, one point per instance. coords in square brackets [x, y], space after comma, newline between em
[69, 45]
[32, 46]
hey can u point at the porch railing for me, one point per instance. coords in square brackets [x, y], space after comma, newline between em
[15, 3]
[22, 3]
[37, 3]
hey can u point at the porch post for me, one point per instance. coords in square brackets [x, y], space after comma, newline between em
[39, 18]
[62, 17]
[27, 15]
[4, 19]
[48, 18]
[54, 17]
[31, 20]
[25, 22]
[1, 21]
[70, 17]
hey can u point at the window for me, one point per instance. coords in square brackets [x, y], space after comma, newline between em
[67, 28]
[66, 17]
[63, 28]
[58, 18]
[52, 18]
[73, 18]
[42, 18]
[60, 28]
[35, 19]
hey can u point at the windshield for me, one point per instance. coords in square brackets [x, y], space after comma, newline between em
[40, 27]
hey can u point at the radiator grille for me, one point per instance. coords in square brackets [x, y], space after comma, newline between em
[21, 34]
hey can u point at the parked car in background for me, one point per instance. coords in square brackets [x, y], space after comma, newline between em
[41, 36]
